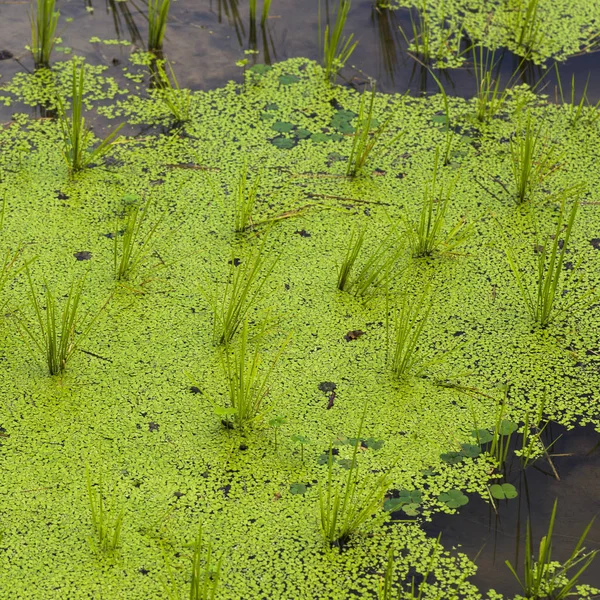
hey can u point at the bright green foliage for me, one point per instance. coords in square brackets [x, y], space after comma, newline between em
[245, 195]
[158, 13]
[579, 112]
[178, 101]
[503, 491]
[106, 523]
[545, 578]
[526, 26]
[337, 48]
[453, 498]
[43, 31]
[76, 136]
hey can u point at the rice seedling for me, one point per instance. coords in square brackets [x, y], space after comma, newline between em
[275, 423]
[43, 31]
[555, 291]
[355, 243]
[577, 111]
[365, 139]
[534, 160]
[347, 507]
[547, 578]
[76, 135]
[337, 48]
[526, 27]
[302, 441]
[57, 335]
[489, 98]
[132, 247]
[386, 589]
[107, 523]
[247, 381]
[206, 573]
[178, 101]
[158, 13]
[502, 433]
[265, 11]
[428, 235]
[245, 196]
[242, 290]
[409, 322]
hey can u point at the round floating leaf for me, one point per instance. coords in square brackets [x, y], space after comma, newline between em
[325, 137]
[470, 450]
[374, 444]
[224, 412]
[392, 504]
[267, 116]
[297, 488]
[260, 68]
[299, 439]
[504, 491]
[508, 427]
[453, 498]
[283, 142]
[412, 509]
[302, 134]
[410, 496]
[346, 463]
[288, 79]
[282, 126]
[451, 458]
[483, 436]
[277, 421]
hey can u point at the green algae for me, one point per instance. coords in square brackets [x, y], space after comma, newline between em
[126, 407]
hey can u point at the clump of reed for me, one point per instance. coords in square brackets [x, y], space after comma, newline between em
[178, 101]
[158, 13]
[245, 196]
[107, 522]
[581, 111]
[77, 137]
[44, 21]
[525, 26]
[337, 48]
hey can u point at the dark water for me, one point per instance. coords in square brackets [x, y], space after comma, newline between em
[204, 40]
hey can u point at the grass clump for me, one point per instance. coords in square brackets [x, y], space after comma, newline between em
[106, 523]
[547, 578]
[132, 247]
[158, 13]
[490, 98]
[76, 136]
[581, 111]
[57, 335]
[44, 21]
[347, 507]
[245, 196]
[337, 48]
[553, 294]
[177, 101]
[525, 27]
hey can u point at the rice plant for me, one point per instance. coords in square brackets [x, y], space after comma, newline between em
[544, 577]
[265, 11]
[107, 523]
[428, 234]
[57, 334]
[502, 433]
[206, 573]
[243, 288]
[365, 139]
[337, 48]
[555, 291]
[158, 13]
[76, 135]
[583, 110]
[490, 98]
[347, 507]
[245, 196]
[43, 31]
[246, 378]
[355, 244]
[526, 27]
[409, 322]
[534, 160]
[178, 101]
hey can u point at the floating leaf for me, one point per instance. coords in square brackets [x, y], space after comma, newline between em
[483, 436]
[452, 458]
[504, 491]
[374, 444]
[299, 439]
[392, 504]
[302, 134]
[288, 79]
[271, 106]
[297, 488]
[260, 68]
[325, 137]
[453, 498]
[283, 142]
[412, 509]
[346, 463]
[470, 450]
[508, 427]
[224, 412]
[282, 126]
[277, 421]
[410, 496]
[267, 116]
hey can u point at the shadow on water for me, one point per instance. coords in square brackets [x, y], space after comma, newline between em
[570, 474]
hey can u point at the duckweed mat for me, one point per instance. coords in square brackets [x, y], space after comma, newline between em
[137, 403]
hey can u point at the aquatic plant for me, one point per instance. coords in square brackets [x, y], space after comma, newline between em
[76, 136]
[502, 433]
[577, 111]
[337, 48]
[158, 13]
[245, 196]
[346, 507]
[355, 243]
[247, 381]
[490, 98]
[525, 26]
[265, 11]
[365, 140]
[178, 101]
[534, 159]
[132, 247]
[243, 288]
[106, 523]
[302, 441]
[545, 578]
[554, 293]
[275, 423]
[43, 31]
[427, 235]
[57, 335]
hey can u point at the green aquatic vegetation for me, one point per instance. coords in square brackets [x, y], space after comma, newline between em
[490, 97]
[265, 11]
[247, 380]
[503, 491]
[245, 195]
[453, 499]
[177, 101]
[57, 335]
[76, 136]
[355, 243]
[107, 523]
[133, 246]
[275, 423]
[43, 31]
[301, 441]
[581, 111]
[556, 291]
[428, 235]
[534, 159]
[158, 13]
[547, 578]
[525, 26]
[347, 507]
[241, 292]
[337, 48]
